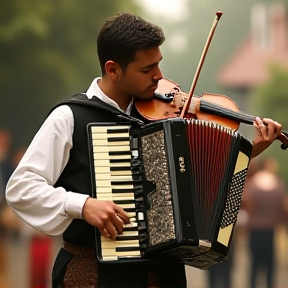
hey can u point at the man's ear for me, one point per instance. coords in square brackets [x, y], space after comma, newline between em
[113, 69]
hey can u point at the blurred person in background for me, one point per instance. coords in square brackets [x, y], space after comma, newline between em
[7, 166]
[6, 162]
[39, 246]
[6, 222]
[51, 187]
[264, 200]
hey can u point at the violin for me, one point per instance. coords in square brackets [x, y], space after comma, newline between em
[209, 107]
[217, 108]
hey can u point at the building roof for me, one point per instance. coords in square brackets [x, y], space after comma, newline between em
[266, 43]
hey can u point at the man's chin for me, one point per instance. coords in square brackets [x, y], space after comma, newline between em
[150, 95]
[145, 97]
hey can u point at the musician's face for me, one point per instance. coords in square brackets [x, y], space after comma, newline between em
[141, 76]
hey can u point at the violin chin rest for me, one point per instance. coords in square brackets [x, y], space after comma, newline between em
[284, 147]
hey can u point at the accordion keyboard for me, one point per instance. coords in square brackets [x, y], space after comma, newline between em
[115, 181]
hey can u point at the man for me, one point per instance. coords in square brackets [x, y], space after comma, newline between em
[51, 187]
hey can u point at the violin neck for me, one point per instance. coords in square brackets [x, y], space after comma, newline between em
[219, 110]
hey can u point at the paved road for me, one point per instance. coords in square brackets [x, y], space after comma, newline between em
[18, 259]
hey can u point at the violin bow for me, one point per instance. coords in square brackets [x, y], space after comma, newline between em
[200, 64]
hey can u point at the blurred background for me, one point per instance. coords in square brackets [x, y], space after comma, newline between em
[48, 52]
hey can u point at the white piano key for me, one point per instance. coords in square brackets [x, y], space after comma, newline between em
[99, 149]
[119, 172]
[114, 244]
[109, 190]
[104, 176]
[115, 197]
[107, 156]
[103, 129]
[115, 187]
[112, 252]
[107, 170]
[107, 163]
[103, 142]
[130, 225]
[127, 206]
[105, 183]
[109, 258]
[109, 135]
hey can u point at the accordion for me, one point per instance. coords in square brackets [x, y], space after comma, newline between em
[181, 181]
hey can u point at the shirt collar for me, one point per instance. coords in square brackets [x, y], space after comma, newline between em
[94, 90]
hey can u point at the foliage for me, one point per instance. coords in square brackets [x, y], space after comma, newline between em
[49, 54]
[271, 100]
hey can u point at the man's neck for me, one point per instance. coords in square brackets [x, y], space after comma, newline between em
[108, 89]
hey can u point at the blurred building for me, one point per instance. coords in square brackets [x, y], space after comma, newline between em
[266, 43]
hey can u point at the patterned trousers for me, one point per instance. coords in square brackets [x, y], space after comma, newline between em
[82, 272]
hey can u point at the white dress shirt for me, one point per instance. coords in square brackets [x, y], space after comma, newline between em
[30, 190]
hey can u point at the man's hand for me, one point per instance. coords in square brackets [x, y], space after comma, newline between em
[106, 216]
[267, 131]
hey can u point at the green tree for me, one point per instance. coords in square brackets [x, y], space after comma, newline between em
[48, 52]
[271, 100]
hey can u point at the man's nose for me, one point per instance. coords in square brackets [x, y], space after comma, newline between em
[158, 76]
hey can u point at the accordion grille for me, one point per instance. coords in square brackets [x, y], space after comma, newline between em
[154, 156]
[234, 198]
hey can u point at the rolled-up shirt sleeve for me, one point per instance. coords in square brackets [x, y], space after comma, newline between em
[30, 190]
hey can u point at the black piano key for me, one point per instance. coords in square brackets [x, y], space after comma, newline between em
[117, 139]
[127, 168]
[129, 210]
[126, 249]
[119, 190]
[126, 238]
[119, 202]
[116, 153]
[115, 131]
[120, 161]
[130, 228]
[125, 182]
[129, 182]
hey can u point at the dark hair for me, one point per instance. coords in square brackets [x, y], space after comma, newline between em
[123, 35]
